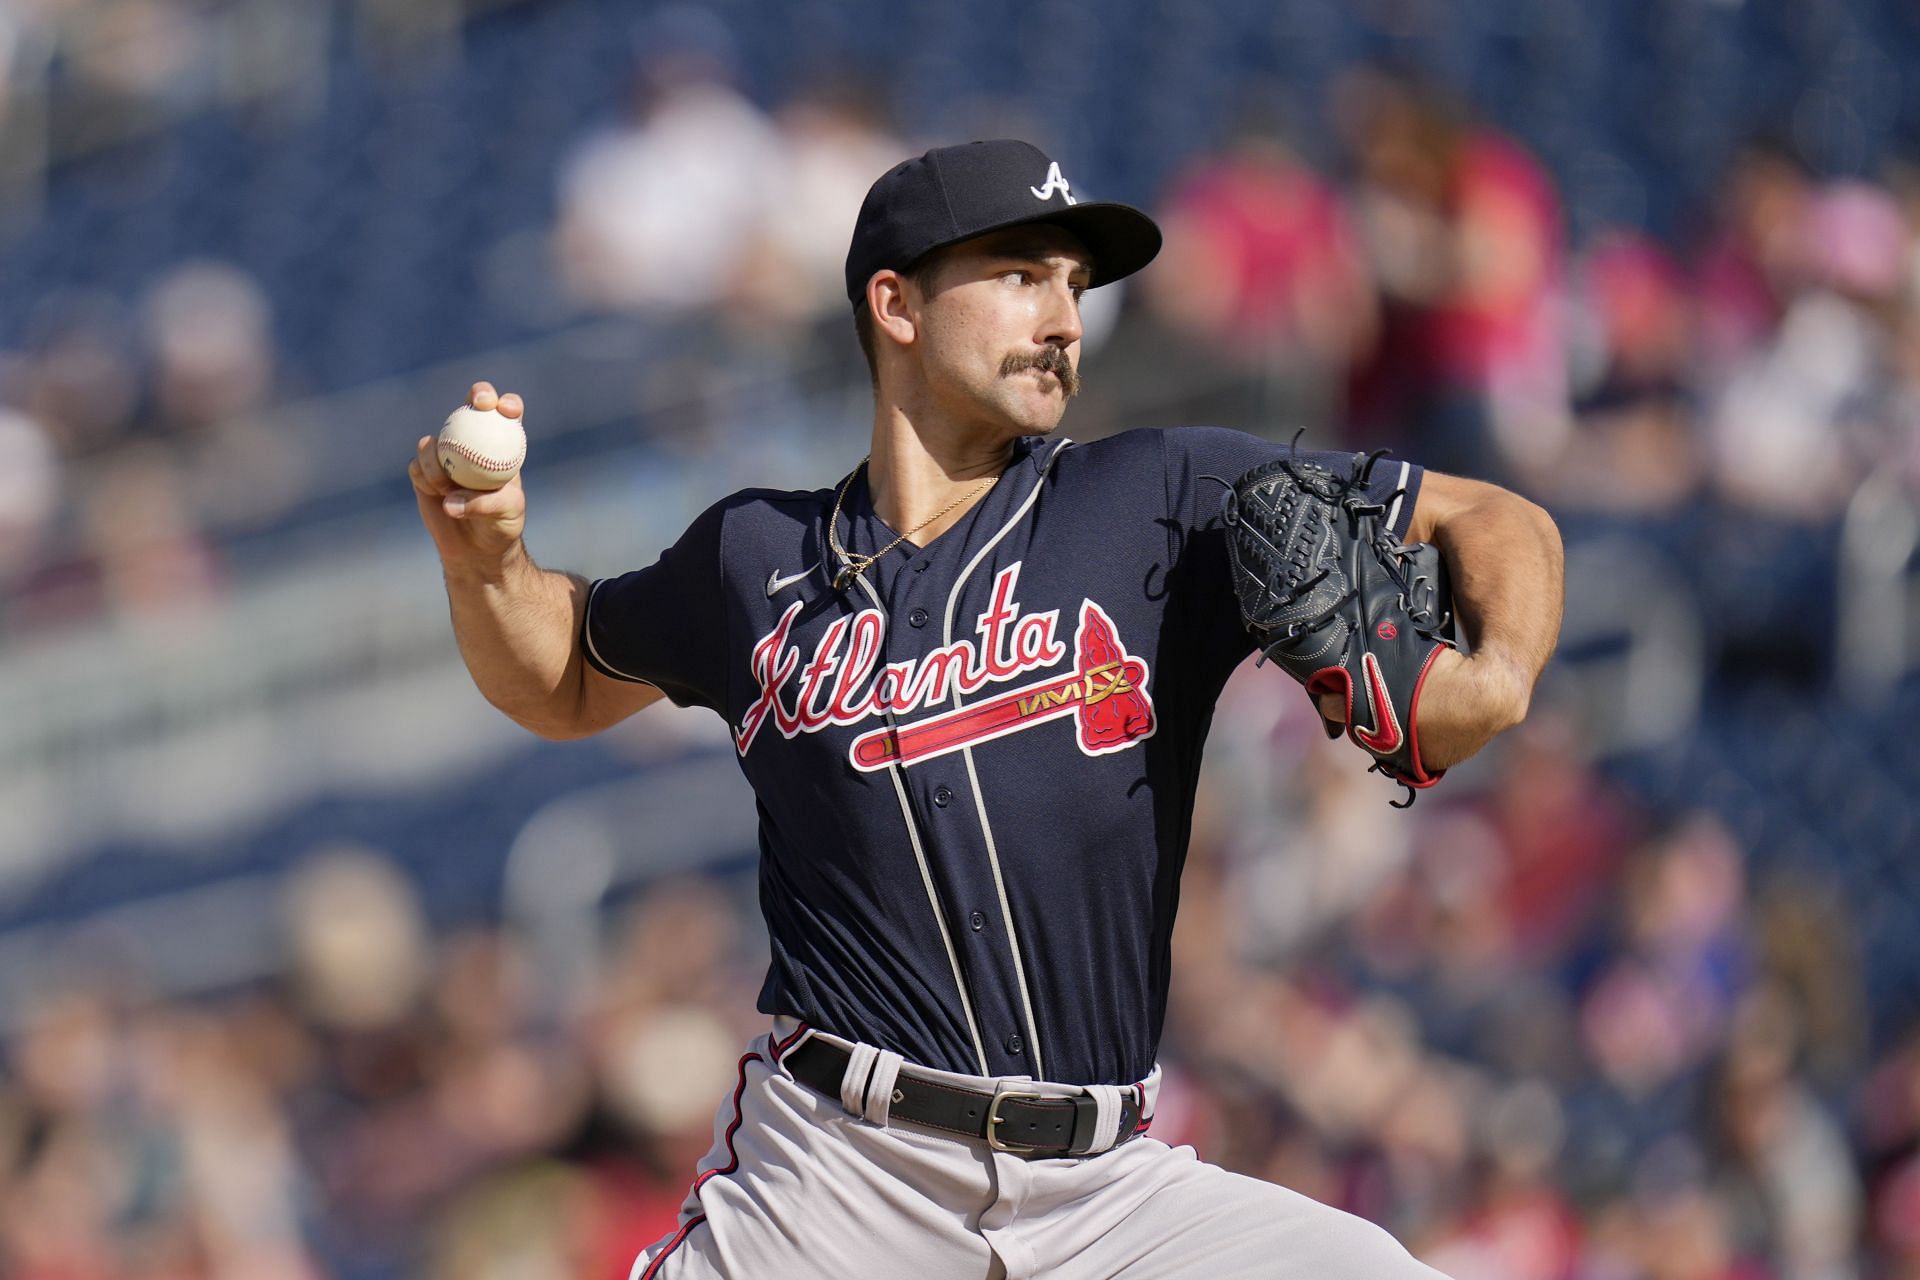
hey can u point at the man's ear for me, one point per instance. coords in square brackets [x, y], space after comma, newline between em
[889, 305]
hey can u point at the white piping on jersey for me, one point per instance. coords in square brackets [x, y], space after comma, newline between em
[920, 857]
[940, 917]
[1399, 493]
[979, 801]
[586, 636]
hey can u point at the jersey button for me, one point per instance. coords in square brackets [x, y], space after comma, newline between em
[943, 796]
[1015, 1044]
[978, 921]
[920, 566]
[918, 617]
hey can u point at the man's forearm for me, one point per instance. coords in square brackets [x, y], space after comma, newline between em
[516, 625]
[1504, 558]
[1508, 569]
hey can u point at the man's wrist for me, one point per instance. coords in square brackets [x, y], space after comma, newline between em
[485, 570]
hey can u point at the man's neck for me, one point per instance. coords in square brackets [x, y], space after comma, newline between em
[923, 464]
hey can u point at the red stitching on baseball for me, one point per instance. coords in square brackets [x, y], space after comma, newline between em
[481, 459]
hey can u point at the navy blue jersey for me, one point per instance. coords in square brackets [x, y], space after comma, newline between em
[975, 767]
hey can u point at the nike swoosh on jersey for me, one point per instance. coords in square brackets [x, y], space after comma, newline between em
[776, 584]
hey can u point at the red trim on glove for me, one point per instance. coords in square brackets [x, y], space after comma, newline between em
[1422, 778]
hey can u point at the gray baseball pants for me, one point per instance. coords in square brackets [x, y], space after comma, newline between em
[795, 1186]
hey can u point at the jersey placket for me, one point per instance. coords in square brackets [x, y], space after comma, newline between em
[927, 595]
[1022, 1038]
[924, 851]
[916, 592]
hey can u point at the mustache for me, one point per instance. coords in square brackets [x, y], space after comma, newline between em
[1049, 360]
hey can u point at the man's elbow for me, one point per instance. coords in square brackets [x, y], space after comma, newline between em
[545, 723]
[561, 717]
[557, 730]
[1543, 521]
[1512, 509]
[1490, 497]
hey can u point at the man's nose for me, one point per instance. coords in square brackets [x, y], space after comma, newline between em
[1061, 325]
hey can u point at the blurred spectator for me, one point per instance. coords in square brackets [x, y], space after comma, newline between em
[1787, 1171]
[209, 337]
[1520, 1226]
[1810, 954]
[1564, 830]
[136, 58]
[832, 142]
[1462, 236]
[1635, 448]
[1659, 1009]
[1683, 1235]
[356, 940]
[209, 329]
[1789, 433]
[658, 212]
[1754, 259]
[30, 493]
[144, 548]
[81, 379]
[1261, 265]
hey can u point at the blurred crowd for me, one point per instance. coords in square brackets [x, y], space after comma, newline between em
[1544, 1032]
[398, 1105]
[1431, 298]
[1540, 1031]
[1421, 289]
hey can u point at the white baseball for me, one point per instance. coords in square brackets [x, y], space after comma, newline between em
[481, 449]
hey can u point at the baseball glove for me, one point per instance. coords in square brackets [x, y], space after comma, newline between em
[1336, 599]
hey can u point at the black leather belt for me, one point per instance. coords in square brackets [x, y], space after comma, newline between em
[1022, 1123]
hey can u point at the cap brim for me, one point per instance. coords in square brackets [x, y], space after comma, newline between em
[1119, 237]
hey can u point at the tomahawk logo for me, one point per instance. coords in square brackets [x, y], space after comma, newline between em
[844, 682]
[1053, 183]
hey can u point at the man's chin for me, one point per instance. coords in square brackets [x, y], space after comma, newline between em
[1026, 414]
[1041, 419]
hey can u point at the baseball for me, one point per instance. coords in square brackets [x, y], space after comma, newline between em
[481, 449]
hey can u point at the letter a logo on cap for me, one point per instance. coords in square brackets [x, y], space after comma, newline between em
[1054, 183]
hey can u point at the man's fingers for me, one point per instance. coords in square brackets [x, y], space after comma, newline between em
[461, 503]
[427, 459]
[510, 406]
[1332, 707]
[420, 482]
[483, 397]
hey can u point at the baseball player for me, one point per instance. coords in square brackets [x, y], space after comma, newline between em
[970, 682]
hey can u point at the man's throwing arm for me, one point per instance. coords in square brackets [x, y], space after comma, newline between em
[518, 625]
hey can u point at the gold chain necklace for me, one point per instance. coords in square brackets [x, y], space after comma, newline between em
[856, 564]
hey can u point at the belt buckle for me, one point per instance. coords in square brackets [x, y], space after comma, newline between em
[994, 1120]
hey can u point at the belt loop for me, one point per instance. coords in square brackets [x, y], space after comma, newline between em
[853, 1082]
[886, 1070]
[1106, 1120]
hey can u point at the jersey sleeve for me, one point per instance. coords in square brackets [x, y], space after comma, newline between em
[1203, 461]
[665, 625]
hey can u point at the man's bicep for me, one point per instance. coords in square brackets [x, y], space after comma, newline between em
[1440, 498]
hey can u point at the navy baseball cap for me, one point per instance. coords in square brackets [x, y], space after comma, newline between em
[955, 193]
